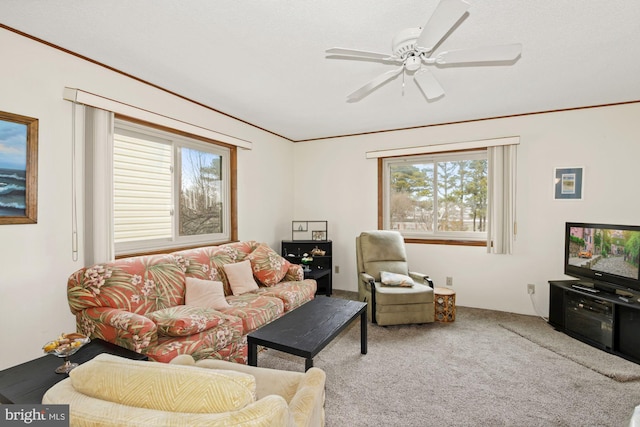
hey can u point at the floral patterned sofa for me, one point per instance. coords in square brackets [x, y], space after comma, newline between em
[152, 304]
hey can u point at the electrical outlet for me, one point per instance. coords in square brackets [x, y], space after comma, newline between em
[531, 289]
[337, 269]
[449, 281]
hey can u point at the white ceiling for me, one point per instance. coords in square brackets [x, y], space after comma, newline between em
[263, 61]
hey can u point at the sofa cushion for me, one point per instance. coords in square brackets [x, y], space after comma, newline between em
[163, 387]
[254, 310]
[184, 320]
[225, 341]
[395, 296]
[205, 293]
[267, 265]
[292, 294]
[240, 277]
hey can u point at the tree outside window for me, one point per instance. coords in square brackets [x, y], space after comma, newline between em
[442, 194]
[200, 193]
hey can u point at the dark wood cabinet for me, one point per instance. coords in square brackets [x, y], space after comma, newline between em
[601, 318]
[320, 269]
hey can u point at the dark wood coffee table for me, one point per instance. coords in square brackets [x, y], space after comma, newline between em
[28, 382]
[309, 328]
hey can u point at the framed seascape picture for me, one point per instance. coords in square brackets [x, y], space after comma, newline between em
[568, 183]
[18, 169]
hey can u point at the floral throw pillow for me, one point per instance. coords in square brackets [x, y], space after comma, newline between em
[267, 265]
[183, 320]
[395, 279]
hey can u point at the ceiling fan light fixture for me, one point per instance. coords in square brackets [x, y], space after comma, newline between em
[404, 42]
[412, 63]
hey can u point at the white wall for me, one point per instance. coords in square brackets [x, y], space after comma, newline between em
[36, 259]
[334, 181]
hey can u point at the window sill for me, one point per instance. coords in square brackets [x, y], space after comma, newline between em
[450, 242]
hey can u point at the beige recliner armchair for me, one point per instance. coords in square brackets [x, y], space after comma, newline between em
[113, 391]
[381, 257]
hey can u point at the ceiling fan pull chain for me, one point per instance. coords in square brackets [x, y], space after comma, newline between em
[403, 83]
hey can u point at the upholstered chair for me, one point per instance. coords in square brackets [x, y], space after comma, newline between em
[112, 391]
[394, 294]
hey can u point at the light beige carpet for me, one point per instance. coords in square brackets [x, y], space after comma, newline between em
[474, 371]
[539, 332]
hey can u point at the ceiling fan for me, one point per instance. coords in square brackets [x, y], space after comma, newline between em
[413, 48]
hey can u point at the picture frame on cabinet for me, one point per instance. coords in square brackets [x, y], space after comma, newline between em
[18, 169]
[318, 235]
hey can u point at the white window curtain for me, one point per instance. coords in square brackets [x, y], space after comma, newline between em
[95, 127]
[501, 230]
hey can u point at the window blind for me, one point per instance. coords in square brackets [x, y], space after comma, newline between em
[142, 189]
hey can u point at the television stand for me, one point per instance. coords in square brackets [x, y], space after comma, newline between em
[585, 288]
[607, 319]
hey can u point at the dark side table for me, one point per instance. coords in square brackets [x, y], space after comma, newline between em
[322, 279]
[28, 382]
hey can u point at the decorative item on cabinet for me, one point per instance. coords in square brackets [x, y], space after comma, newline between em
[306, 261]
[316, 256]
[317, 251]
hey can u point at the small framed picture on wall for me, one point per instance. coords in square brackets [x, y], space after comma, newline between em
[568, 183]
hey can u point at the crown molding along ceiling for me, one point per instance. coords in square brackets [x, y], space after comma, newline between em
[272, 64]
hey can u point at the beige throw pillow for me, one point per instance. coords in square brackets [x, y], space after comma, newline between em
[205, 293]
[240, 277]
[395, 279]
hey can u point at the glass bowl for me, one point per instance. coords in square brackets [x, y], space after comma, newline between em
[64, 346]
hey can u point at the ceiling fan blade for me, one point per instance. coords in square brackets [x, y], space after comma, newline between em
[428, 84]
[446, 15]
[507, 52]
[369, 87]
[360, 53]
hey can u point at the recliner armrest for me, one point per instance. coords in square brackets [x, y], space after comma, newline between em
[367, 278]
[422, 278]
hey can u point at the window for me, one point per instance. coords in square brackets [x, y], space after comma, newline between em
[436, 196]
[168, 190]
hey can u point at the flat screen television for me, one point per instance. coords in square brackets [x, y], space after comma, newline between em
[603, 254]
